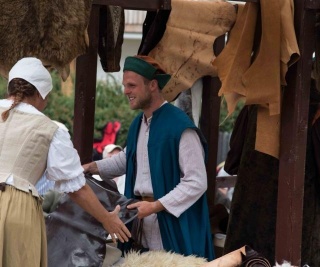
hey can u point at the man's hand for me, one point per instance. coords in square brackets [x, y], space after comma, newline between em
[90, 168]
[146, 208]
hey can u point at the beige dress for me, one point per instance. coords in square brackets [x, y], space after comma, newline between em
[24, 145]
[22, 230]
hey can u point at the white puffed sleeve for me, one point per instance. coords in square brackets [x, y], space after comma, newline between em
[63, 164]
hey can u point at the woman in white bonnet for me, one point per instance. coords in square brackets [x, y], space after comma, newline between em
[31, 145]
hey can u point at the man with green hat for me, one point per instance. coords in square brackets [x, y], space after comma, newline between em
[164, 163]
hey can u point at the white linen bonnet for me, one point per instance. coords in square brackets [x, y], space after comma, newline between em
[32, 70]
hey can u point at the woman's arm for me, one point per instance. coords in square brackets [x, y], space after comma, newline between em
[111, 222]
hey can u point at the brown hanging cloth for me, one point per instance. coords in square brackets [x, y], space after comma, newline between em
[111, 30]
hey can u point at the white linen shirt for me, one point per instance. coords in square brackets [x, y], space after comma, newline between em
[63, 163]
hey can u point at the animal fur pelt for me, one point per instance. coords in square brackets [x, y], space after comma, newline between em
[245, 256]
[186, 48]
[53, 31]
[160, 259]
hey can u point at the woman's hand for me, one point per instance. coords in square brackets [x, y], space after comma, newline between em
[115, 227]
[87, 200]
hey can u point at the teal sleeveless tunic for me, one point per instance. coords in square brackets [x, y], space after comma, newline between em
[190, 234]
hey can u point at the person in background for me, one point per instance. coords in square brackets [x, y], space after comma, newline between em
[109, 151]
[32, 144]
[164, 163]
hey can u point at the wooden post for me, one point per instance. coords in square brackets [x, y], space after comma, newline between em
[293, 142]
[86, 75]
[209, 123]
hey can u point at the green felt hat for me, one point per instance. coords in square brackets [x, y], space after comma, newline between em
[146, 70]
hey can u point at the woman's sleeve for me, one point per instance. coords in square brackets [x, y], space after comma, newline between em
[63, 164]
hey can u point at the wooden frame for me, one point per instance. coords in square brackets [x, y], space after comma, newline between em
[294, 118]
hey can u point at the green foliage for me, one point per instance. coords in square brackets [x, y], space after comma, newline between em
[3, 88]
[60, 107]
[112, 105]
[227, 122]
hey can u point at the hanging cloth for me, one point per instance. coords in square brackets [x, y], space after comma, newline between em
[111, 29]
[186, 48]
[153, 29]
[256, 73]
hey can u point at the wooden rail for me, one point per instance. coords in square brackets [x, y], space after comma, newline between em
[136, 4]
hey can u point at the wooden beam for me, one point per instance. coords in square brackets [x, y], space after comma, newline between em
[293, 142]
[85, 85]
[136, 4]
[209, 123]
[147, 4]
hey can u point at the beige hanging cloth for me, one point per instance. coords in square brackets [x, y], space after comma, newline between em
[259, 82]
[186, 48]
[268, 125]
[235, 58]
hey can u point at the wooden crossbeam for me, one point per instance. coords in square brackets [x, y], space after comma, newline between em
[136, 4]
[147, 5]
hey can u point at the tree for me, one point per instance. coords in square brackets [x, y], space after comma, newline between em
[111, 105]
[227, 122]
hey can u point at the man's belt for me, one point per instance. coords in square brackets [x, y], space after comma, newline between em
[145, 198]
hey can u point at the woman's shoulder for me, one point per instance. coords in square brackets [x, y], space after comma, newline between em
[5, 103]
